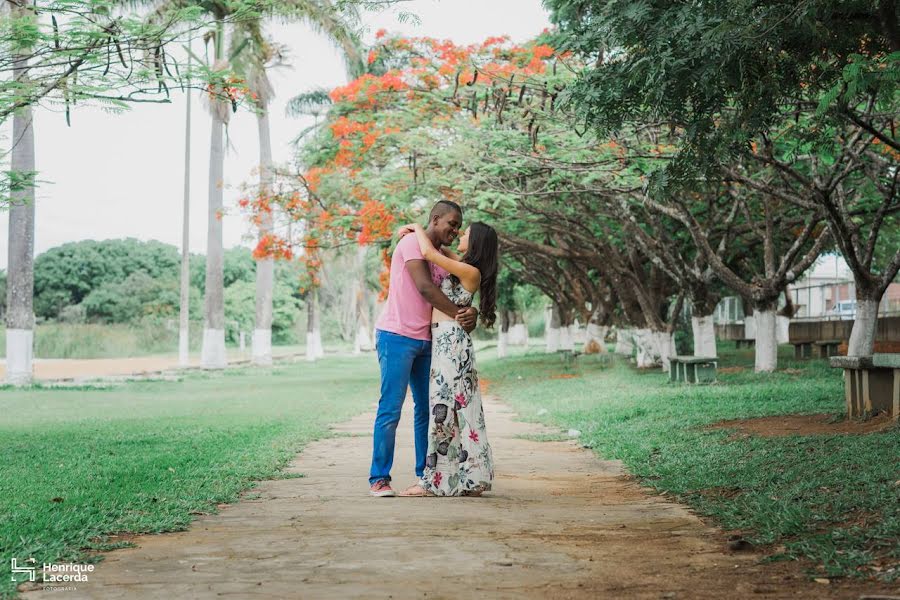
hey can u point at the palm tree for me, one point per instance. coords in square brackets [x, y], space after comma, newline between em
[20, 278]
[339, 26]
[184, 303]
[212, 355]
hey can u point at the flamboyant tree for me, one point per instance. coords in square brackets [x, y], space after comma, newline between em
[412, 98]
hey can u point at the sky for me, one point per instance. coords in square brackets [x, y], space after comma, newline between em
[122, 175]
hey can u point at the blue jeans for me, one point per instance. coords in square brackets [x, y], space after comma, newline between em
[405, 362]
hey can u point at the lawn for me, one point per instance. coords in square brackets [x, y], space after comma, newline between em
[143, 457]
[834, 500]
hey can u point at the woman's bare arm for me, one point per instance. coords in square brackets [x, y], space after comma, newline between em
[469, 276]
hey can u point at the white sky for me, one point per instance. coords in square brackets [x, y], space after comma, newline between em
[114, 176]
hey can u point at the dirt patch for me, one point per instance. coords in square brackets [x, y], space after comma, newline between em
[727, 370]
[818, 424]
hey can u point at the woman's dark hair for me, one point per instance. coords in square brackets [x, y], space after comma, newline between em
[483, 254]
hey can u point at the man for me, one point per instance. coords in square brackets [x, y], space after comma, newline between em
[403, 341]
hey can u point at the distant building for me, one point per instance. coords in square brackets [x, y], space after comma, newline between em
[826, 291]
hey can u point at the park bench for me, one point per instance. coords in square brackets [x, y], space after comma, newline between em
[692, 369]
[568, 357]
[802, 349]
[742, 342]
[827, 348]
[871, 384]
[816, 348]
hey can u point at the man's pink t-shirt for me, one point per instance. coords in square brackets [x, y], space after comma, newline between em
[407, 313]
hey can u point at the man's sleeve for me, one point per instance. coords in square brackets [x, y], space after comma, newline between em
[409, 248]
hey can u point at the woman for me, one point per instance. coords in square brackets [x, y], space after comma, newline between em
[459, 460]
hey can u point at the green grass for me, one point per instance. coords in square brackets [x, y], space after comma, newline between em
[142, 457]
[834, 500]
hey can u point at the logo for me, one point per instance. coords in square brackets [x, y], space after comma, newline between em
[52, 573]
[17, 569]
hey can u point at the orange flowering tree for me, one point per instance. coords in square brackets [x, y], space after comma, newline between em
[379, 158]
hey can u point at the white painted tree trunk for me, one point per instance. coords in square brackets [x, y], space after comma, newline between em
[506, 316]
[665, 342]
[625, 341]
[595, 333]
[265, 268]
[782, 329]
[704, 331]
[363, 342]
[654, 348]
[213, 352]
[363, 339]
[766, 341]
[184, 303]
[576, 332]
[502, 344]
[553, 333]
[314, 349]
[518, 333]
[644, 344]
[862, 336]
[566, 339]
[750, 325]
[553, 339]
[20, 273]
[19, 356]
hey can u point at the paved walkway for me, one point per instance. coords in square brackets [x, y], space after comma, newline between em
[559, 524]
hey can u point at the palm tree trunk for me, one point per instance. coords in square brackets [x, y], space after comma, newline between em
[213, 353]
[265, 268]
[20, 278]
[185, 299]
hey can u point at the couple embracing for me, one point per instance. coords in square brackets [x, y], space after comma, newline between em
[422, 340]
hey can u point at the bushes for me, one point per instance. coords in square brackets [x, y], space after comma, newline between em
[240, 311]
[136, 298]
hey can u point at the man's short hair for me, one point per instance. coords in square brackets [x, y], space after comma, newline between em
[442, 207]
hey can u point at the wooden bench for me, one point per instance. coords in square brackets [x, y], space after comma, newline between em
[871, 384]
[827, 348]
[802, 349]
[693, 369]
[816, 348]
[745, 342]
[568, 357]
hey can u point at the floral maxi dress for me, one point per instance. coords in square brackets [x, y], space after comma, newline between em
[459, 459]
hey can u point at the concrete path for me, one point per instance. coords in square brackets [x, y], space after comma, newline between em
[559, 524]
